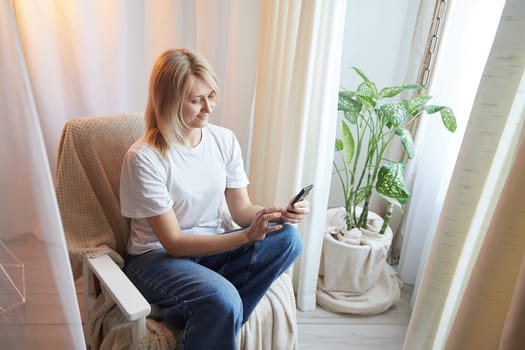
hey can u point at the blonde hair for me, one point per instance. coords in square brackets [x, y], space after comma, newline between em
[171, 80]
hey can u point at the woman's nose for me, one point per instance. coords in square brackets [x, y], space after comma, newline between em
[206, 106]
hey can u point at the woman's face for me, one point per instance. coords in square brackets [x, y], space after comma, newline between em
[198, 106]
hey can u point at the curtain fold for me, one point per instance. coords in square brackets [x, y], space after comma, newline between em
[468, 282]
[485, 303]
[226, 34]
[95, 57]
[457, 70]
[512, 336]
[295, 116]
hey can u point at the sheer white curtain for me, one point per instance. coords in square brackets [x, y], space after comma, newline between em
[472, 282]
[28, 210]
[95, 57]
[464, 46]
[295, 117]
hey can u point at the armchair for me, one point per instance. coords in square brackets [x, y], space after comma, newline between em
[115, 314]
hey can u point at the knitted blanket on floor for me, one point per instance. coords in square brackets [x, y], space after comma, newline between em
[90, 156]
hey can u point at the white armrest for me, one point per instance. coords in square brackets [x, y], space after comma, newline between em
[122, 291]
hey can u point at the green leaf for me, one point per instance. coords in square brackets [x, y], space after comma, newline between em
[351, 116]
[338, 145]
[395, 90]
[367, 89]
[367, 99]
[416, 103]
[393, 113]
[361, 194]
[346, 101]
[362, 75]
[431, 109]
[348, 143]
[448, 118]
[407, 141]
[391, 183]
[350, 105]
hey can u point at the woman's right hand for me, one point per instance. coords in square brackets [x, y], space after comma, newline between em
[261, 224]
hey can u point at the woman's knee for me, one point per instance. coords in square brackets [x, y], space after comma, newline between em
[213, 319]
[224, 304]
[292, 238]
[215, 304]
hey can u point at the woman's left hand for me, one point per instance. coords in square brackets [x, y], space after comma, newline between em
[295, 213]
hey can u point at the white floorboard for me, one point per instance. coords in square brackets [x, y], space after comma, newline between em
[320, 329]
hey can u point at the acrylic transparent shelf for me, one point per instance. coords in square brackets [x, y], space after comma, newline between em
[12, 281]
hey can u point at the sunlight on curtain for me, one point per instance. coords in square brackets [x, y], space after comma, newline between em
[475, 258]
[84, 58]
[227, 34]
[295, 117]
[31, 226]
[94, 57]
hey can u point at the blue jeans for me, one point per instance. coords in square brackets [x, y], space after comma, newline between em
[210, 297]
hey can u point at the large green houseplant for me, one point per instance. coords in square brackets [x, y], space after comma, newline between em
[354, 276]
[372, 120]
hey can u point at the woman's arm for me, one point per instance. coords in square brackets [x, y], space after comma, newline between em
[241, 208]
[255, 218]
[179, 244]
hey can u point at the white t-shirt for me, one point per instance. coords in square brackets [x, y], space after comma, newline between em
[192, 181]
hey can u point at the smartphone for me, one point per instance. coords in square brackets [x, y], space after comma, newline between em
[302, 194]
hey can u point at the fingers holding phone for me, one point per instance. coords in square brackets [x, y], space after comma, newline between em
[298, 207]
[296, 213]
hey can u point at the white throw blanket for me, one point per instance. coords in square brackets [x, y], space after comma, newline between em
[354, 276]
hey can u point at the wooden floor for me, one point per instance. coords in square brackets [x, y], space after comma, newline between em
[41, 324]
[321, 329]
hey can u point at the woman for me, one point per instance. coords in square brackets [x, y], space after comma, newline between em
[174, 183]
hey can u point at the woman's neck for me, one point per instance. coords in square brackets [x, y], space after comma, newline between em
[192, 137]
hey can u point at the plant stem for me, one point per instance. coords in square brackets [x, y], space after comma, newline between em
[351, 208]
[364, 214]
[388, 216]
